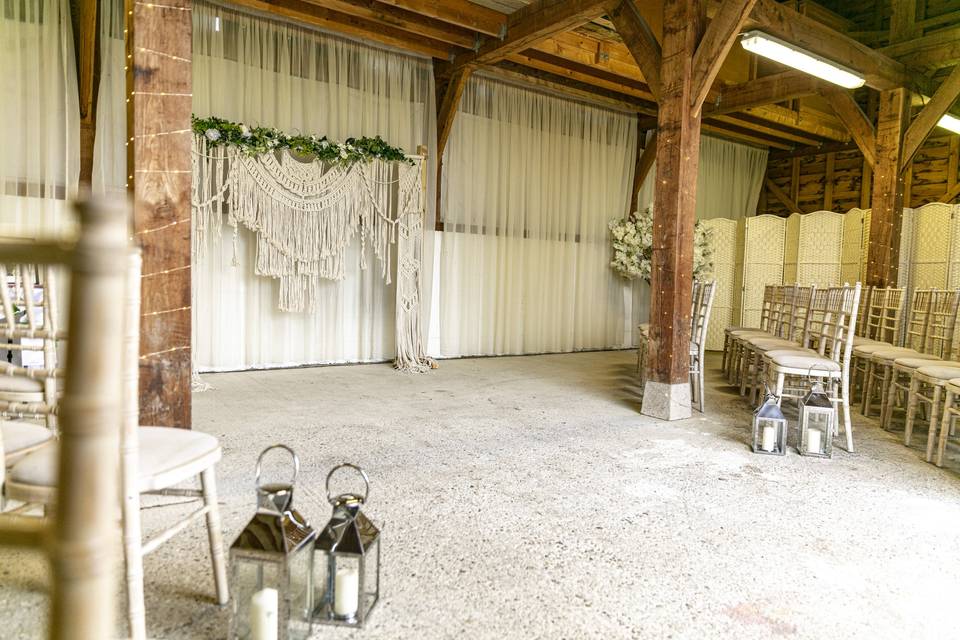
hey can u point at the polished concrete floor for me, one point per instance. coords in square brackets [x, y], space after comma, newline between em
[527, 498]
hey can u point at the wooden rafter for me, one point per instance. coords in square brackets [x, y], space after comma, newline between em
[458, 12]
[414, 23]
[641, 42]
[535, 21]
[86, 57]
[450, 84]
[318, 16]
[936, 50]
[856, 121]
[645, 159]
[715, 45]
[881, 72]
[766, 90]
[927, 119]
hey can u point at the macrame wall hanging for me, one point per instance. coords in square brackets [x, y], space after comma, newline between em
[304, 212]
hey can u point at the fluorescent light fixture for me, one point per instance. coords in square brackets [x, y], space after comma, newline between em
[950, 122]
[785, 53]
[216, 23]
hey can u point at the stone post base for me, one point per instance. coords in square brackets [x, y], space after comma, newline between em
[666, 401]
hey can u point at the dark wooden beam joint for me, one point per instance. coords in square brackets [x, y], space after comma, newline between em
[641, 42]
[716, 44]
[929, 116]
[855, 120]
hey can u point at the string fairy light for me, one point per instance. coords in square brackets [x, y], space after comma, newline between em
[159, 313]
[165, 271]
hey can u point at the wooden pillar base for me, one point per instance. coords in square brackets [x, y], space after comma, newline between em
[666, 401]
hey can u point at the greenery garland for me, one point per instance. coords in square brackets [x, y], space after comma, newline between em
[254, 141]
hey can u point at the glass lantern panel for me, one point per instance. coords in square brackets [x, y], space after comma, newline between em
[818, 419]
[255, 592]
[370, 566]
[300, 595]
[768, 435]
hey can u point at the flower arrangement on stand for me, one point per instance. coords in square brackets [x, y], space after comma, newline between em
[632, 239]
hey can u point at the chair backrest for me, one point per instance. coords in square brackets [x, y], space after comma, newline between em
[866, 302]
[891, 323]
[781, 310]
[837, 313]
[941, 321]
[701, 316]
[916, 329]
[803, 299]
[769, 293]
[82, 540]
[28, 314]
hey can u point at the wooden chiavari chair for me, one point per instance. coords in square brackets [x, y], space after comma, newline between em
[698, 340]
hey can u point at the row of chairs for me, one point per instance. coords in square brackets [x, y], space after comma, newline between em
[911, 367]
[700, 308]
[805, 334]
[151, 460]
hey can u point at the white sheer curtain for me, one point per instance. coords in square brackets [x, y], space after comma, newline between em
[530, 182]
[257, 70]
[39, 117]
[109, 150]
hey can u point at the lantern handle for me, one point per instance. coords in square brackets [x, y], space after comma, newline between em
[363, 474]
[296, 462]
[817, 366]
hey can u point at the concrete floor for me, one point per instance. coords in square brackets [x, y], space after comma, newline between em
[527, 498]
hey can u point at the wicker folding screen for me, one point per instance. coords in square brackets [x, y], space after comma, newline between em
[852, 243]
[762, 262]
[724, 239]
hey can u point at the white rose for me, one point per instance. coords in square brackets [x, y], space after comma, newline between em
[212, 134]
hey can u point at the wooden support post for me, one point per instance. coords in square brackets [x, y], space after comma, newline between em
[866, 180]
[795, 181]
[884, 245]
[828, 182]
[86, 46]
[667, 390]
[158, 175]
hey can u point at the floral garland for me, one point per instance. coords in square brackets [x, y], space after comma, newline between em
[633, 246]
[254, 141]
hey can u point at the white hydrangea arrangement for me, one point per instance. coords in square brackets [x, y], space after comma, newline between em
[632, 239]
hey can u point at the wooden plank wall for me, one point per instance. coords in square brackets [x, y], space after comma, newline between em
[934, 172]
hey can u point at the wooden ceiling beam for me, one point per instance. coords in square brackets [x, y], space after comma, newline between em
[934, 51]
[762, 125]
[927, 119]
[563, 85]
[715, 45]
[461, 13]
[781, 195]
[86, 58]
[586, 73]
[535, 21]
[856, 121]
[641, 42]
[415, 23]
[318, 16]
[766, 90]
[881, 72]
[449, 84]
[809, 120]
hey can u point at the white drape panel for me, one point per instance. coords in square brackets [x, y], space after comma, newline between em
[257, 70]
[530, 182]
[39, 117]
[109, 150]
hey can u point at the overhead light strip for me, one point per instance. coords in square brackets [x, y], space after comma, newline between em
[783, 52]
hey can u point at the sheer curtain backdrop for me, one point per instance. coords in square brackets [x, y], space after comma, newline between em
[109, 150]
[530, 183]
[39, 117]
[258, 70]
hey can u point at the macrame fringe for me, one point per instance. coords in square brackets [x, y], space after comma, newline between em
[304, 216]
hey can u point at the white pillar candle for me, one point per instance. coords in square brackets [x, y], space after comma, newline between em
[346, 593]
[813, 440]
[769, 438]
[263, 615]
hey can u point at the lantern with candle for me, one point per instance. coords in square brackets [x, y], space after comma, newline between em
[347, 559]
[271, 565]
[817, 420]
[769, 428]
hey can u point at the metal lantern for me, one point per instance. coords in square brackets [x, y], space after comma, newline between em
[271, 566]
[817, 423]
[769, 428]
[347, 560]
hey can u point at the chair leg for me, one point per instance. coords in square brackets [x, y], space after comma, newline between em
[932, 431]
[214, 533]
[911, 410]
[865, 400]
[726, 347]
[133, 560]
[781, 378]
[847, 423]
[746, 372]
[945, 424]
[701, 395]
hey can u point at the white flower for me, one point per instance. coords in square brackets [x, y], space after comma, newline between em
[212, 134]
[245, 131]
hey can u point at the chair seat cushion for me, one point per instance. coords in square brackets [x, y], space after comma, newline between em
[889, 355]
[735, 329]
[868, 348]
[162, 451]
[20, 384]
[739, 333]
[859, 340]
[769, 344]
[946, 371]
[911, 362]
[22, 436]
[803, 360]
